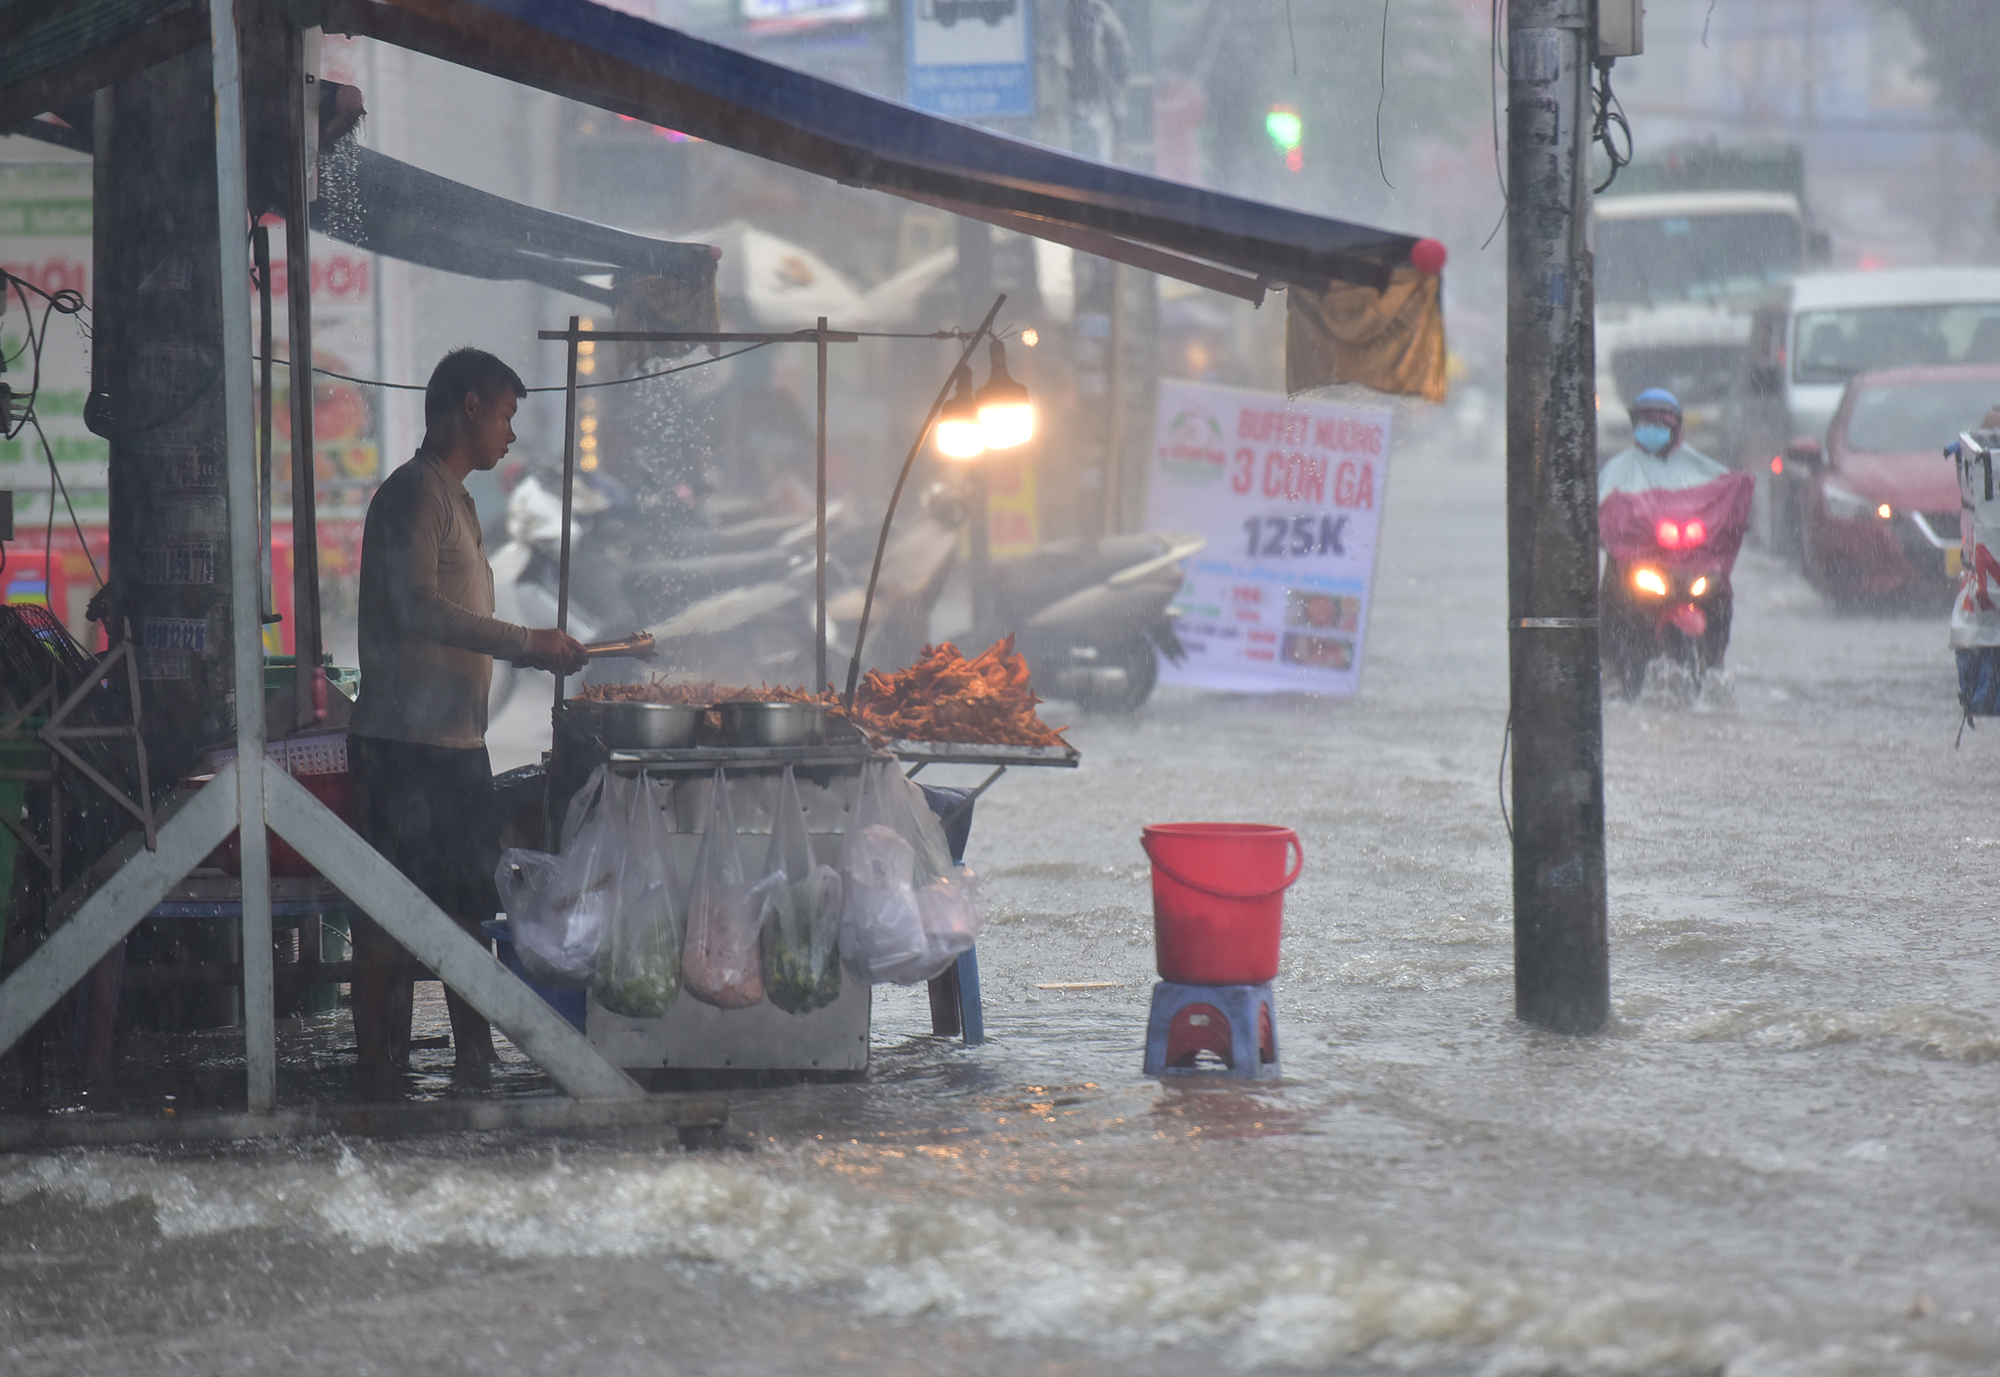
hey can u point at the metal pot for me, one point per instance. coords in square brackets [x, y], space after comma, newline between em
[640, 726]
[773, 724]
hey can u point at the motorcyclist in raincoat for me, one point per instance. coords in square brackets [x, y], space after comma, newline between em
[1670, 519]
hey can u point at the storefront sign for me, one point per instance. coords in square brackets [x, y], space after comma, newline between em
[1289, 495]
[972, 59]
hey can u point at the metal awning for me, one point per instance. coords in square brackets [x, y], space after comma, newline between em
[626, 65]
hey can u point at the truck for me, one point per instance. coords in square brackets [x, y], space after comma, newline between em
[1686, 244]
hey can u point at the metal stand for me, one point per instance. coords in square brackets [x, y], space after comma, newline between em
[575, 335]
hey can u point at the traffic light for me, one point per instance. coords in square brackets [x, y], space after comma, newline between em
[1287, 133]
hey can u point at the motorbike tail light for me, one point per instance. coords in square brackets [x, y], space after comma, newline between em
[1649, 581]
[1694, 533]
[1669, 535]
[1777, 463]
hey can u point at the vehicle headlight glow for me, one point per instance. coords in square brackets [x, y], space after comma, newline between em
[1698, 587]
[1649, 581]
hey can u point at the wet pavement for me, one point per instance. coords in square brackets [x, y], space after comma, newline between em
[1776, 1160]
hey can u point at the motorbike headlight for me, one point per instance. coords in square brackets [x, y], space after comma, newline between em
[1843, 505]
[1698, 587]
[1649, 581]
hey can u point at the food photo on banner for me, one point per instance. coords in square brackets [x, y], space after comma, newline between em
[1289, 495]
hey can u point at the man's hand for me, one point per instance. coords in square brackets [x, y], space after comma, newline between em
[556, 651]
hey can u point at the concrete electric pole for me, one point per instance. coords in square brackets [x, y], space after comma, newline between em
[1562, 974]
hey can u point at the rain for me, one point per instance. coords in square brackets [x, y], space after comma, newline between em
[1768, 1159]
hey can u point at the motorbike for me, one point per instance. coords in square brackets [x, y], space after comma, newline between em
[1093, 617]
[1666, 589]
[758, 567]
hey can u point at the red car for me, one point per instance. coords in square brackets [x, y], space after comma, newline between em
[1877, 509]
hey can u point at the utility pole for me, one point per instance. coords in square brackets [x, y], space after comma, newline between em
[1562, 976]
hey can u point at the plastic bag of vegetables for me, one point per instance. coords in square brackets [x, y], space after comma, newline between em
[800, 913]
[720, 964]
[638, 969]
[558, 906]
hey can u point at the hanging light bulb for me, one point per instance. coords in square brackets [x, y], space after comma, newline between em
[958, 430]
[1006, 416]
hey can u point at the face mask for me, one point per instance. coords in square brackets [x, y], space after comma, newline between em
[1652, 437]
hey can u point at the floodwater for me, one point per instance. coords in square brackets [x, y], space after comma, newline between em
[1778, 1160]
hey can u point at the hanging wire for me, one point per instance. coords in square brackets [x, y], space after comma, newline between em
[662, 373]
[1610, 114]
[1381, 95]
[1495, 66]
[19, 414]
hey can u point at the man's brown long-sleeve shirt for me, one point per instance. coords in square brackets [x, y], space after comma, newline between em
[427, 631]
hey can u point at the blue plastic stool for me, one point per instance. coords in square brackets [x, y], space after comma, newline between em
[569, 1003]
[1237, 1023]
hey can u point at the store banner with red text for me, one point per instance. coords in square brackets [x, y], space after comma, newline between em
[1289, 495]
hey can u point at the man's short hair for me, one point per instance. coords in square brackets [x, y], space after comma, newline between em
[462, 372]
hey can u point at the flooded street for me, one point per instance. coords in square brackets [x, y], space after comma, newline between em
[1778, 1159]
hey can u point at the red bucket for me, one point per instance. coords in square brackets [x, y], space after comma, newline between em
[1219, 899]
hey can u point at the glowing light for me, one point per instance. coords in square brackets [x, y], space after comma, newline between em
[1649, 581]
[1885, 511]
[957, 432]
[1030, 338]
[1698, 587]
[589, 425]
[1285, 128]
[1668, 534]
[1694, 533]
[1295, 159]
[1006, 416]
[1777, 463]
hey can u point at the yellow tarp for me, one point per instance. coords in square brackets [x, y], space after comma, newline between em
[1391, 340]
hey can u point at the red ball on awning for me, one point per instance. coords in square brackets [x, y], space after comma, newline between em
[1427, 256]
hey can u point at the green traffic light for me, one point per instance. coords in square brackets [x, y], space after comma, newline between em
[1285, 127]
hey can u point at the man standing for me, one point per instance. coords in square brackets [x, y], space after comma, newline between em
[423, 785]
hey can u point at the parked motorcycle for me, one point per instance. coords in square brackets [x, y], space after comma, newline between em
[1093, 617]
[1666, 589]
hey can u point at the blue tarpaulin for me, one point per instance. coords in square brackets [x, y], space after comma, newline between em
[620, 63]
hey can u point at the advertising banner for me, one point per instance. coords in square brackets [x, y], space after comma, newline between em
[45, 239]
[1289, 494]
[971, 59]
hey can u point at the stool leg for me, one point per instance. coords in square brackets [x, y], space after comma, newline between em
[971, 1014]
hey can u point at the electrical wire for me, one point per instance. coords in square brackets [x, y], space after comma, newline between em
[20, 411]
[1496, 64]
[1609, 113]
[662, 373]
[1381, 95]
[1506, 740]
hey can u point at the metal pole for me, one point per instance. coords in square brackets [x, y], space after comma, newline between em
[819, 658]
[569, 490]
[246, 629]
[1561, 964]
[984, 630]
[298, 297]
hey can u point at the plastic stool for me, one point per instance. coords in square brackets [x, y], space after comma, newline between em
[1238, 1023]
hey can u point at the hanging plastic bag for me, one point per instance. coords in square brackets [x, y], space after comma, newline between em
[949, 902]
[558, 906]
[638, 970]
[800, 913]
[720, 964]
[881, 931]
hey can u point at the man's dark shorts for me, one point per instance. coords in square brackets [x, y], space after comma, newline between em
[430, 810]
